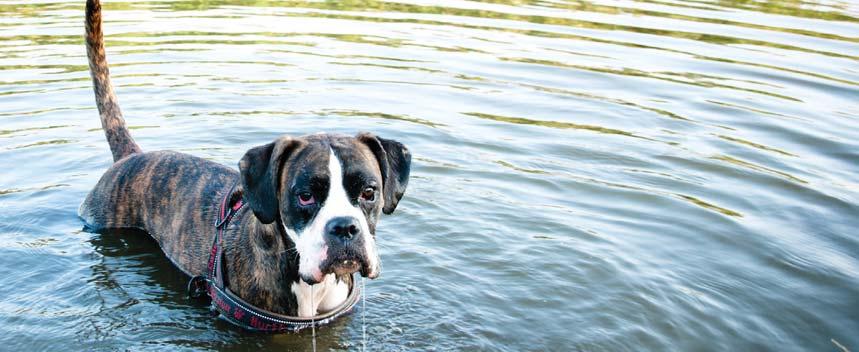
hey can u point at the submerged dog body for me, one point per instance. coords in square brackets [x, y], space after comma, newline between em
[312, 204]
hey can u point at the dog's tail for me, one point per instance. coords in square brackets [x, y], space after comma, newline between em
[121, 143]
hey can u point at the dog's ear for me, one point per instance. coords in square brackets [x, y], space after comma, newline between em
[394, 162]
[260, 168]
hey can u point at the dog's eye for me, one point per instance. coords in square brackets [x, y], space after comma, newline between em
[369, 194]
[305, 198]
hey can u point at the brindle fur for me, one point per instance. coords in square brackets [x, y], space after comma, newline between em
[175, 197]
[121, 143]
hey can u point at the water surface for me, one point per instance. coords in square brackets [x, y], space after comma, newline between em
[587, 175]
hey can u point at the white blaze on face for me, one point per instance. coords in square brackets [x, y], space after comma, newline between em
[310, 243]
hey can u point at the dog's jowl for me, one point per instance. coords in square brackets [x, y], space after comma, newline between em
[311, 204]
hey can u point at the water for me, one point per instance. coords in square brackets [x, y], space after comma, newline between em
[588, 175]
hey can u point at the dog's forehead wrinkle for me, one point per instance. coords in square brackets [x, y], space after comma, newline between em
[308, 166]
[357, 161]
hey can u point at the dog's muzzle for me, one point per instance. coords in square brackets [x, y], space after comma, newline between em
[346, 250]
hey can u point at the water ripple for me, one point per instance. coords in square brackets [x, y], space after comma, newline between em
[596, 174]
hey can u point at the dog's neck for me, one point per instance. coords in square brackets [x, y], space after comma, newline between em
[259, 268]
[262, 268]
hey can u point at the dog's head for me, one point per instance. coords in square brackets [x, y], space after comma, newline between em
[327, 192]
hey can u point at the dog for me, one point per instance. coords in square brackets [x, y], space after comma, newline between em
[311, 204]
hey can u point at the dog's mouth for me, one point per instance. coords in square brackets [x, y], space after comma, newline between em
[346, 266]
[343, 263]
[340, 261]
[346, 263]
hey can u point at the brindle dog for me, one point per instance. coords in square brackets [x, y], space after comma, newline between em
[312, 204]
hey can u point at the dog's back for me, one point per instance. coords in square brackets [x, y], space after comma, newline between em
[165, 194]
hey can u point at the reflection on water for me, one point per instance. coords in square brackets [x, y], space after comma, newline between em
[588, 175]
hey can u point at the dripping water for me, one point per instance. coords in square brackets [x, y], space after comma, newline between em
[312, 316]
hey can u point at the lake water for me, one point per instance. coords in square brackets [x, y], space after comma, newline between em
[587, 175]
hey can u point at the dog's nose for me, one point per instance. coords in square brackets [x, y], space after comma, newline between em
[344, 227]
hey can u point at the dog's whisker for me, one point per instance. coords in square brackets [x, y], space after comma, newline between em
[292, 250]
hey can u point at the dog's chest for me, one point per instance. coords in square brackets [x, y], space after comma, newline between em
[320, 298]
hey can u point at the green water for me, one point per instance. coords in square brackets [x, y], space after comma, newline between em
[587, 175]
